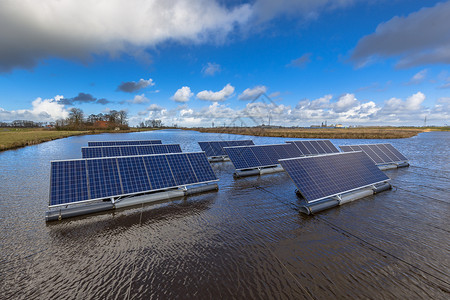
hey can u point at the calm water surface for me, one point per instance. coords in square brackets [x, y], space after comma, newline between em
[245, 241]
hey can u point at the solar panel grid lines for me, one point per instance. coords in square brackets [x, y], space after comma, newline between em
[68, 179]
[256, 156]
[123, 143]
[182, 171]
[314, 147]
[82, 180]
[324, 176]
[129, 150]
[215, 148]
[379, 153]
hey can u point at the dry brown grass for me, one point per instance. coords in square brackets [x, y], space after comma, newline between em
[325, 133]
[16, 138]
[12, 138]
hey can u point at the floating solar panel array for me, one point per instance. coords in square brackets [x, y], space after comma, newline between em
[315, 147]
[324, 176]
[251, 157]
[83, 180]
[379, 153]
[123, 143]
[111, 151]
[215, 148]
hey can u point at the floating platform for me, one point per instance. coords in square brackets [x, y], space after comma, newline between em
[69, 212]
[331, 202]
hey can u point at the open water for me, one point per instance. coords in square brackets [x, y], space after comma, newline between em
[245, 241]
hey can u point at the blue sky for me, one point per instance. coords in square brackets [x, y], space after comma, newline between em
[194, 62]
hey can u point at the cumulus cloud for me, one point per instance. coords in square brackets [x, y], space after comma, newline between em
[78, 29]
[211, 68]
[132, 86]
[221, 95]
[138, 99]
[410, 104]
[345, 109]
[84, 98]
[302, 61]
[183, 94]
[252, 93]
[420, 38]
[42, 110]
[345, 102]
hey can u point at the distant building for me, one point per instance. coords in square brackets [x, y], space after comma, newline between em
[101, 124]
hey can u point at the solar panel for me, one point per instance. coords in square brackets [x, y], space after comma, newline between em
[123, 143]
[379, 153]
[315, 147]
[256, 156]
[111, 151]
[81, 180]
[324, 176]
[215, 148]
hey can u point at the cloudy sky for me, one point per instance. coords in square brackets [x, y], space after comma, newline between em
[195, 62]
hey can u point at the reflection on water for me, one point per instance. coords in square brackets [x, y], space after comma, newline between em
[245, 241]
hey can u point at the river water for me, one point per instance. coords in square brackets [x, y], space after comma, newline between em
[245, 241]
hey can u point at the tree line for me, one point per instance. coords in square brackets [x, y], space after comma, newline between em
[77, 120]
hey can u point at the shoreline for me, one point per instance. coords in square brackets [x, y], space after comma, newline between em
[15, 138]
[326, 133]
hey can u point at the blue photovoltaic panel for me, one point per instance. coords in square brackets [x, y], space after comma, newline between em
[242, 157]
[159, 172]
[248, 157]
[123, 143]
[181, 169]
[111, 151]
[80, 180]
[263, 159]
[68, 180]
[104, 180]
[394, 151]
[91, 152]
[133, 174]
[201, 166]
[379, 153]
[206, 147]
[173, 148]
[292, 151]
[315, 147]
[128, 151]
[216, 148]
[324, 176]
[144, 149]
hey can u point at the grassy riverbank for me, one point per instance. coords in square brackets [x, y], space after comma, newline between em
[328, 133]
[12, 138]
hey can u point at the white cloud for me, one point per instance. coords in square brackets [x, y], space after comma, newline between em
[78, 29]
[221, 95]
[350, 111]
[211, 68]
[410, 104]
[139, 99]
[43, 110]
[345, 102]
[252, 93]
[419, 77]
[420, 38]
[183, 94]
